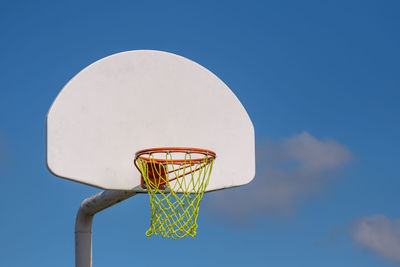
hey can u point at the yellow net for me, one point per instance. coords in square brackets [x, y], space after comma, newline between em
[175, 189]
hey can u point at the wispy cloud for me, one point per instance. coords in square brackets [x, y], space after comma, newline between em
[287, 170]
[378, 234]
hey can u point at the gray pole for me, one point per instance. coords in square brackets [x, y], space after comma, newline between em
[84, 219]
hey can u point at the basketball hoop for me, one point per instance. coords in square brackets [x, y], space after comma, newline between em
[175, 179]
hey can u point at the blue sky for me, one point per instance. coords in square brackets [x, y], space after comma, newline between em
[319, 80]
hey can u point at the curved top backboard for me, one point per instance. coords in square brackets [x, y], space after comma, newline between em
[143, 99]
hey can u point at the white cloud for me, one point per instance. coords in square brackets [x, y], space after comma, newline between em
[287, 170]
[378, 234]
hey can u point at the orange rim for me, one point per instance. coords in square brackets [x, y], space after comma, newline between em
[140, 154]
[210, 154]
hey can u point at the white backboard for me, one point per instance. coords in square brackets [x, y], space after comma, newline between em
[143, 99]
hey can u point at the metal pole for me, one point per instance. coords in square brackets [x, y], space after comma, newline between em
[84, 220]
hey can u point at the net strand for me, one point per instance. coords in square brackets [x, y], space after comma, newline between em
[175, 193]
